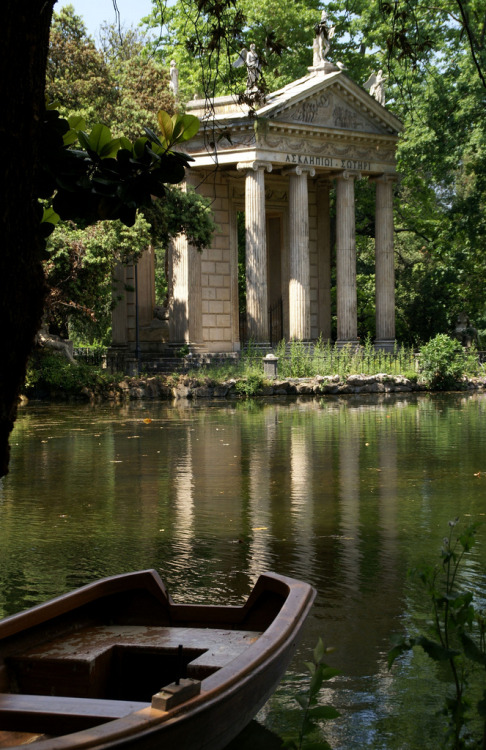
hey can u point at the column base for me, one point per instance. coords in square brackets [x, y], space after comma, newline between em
[350, 343]
[385, 345]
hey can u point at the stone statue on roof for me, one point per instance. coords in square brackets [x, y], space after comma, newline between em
[376, 86]
[322, 42]
[253, 67]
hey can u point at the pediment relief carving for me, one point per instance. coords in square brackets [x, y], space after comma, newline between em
[328, 109]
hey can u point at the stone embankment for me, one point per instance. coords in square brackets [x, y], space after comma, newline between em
[157, 387]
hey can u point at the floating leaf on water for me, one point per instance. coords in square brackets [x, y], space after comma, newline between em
[147, 420]
[260, 528]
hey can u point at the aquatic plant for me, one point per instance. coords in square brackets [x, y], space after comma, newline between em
[456, 639]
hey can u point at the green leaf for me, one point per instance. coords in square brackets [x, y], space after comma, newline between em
[50, 216]
[139, 146]
[319, 651]
[126, 144]
[84, 140]
[98, 138]
[185, 127]
[70, 137]
[302, 700]
[472, 650]
[324, 712]
[110, 149]
[316, 683]
[76, 122]
[435, 650]
[166, 125]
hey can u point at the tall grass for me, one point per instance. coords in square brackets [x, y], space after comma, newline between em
[298, 359]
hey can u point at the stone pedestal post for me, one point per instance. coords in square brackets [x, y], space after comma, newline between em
[347, 320]
[384, 264]
[324, 258]
[299, 269]
[256, 249]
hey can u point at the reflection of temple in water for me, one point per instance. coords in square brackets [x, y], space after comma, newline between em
[312, 495]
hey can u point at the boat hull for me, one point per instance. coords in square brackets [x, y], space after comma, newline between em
[239, 653]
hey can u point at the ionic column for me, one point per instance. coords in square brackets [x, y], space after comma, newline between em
[299, 270]
[256, 249]
[347, 317]
[384, 264]
[324, 258]
[185, 286]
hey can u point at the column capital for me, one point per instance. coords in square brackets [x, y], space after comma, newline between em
[255, 165]
[349, 174]
[299, 169]
[386, 177]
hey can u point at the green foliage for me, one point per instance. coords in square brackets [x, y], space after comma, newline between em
[298, 360]
[111, 177]
[309, 735]
[117, 85]
[79, 271]
[250, 385]
[205, 38]
[49, 372]
[444, 362]
[458, 631]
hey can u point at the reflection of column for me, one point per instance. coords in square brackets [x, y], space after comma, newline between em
[387, 456]
[256, 249]
[349, 503]
[299, 269]
[183, 508]
[259, 495]
[347, 321]
[384, 263]
[185, 287]
[324, 258]
[301, 499]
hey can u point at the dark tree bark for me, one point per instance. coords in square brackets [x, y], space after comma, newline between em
[24, 41]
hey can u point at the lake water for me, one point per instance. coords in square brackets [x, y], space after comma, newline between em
[347, 494]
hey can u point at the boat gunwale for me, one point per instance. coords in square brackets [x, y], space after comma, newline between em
[272, 642]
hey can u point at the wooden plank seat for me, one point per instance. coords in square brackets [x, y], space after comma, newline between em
[46, 713]
[123, 662]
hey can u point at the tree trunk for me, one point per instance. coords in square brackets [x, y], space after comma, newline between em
[24, 42]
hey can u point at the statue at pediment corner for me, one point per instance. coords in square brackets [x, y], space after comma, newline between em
[322, 40]
[376, 86]
[253, 68]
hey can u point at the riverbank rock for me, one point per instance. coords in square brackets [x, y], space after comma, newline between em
[173, 387]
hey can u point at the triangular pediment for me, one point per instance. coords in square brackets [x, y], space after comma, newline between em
[330, 101]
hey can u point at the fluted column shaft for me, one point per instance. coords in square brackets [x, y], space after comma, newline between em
[347, 320]
[299, 267]
[384, 264]
[185, 322]
[324, 258]
[256, 250]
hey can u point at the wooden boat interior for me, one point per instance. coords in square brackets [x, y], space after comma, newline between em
[102, 652]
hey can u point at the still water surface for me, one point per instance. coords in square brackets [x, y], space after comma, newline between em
[346, 494]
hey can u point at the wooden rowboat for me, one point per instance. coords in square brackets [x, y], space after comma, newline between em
[117, 664]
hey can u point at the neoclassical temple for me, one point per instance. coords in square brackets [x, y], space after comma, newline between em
[277, 167]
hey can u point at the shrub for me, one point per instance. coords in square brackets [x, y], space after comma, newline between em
[48, 371]
[443, 362]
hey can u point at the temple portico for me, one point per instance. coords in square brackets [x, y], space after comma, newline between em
[274, 170]
[320, 133]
